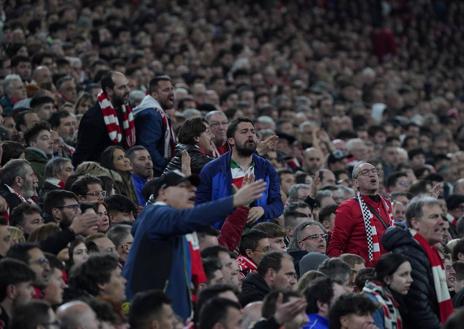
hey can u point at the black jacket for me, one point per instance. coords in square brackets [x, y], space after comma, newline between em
[198, 159]
[421, 300]
[92, 137]
[254, 289]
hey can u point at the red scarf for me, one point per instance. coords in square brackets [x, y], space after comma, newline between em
[112, 123]
[439, 278]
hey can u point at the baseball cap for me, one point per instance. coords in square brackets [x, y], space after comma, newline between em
[336, 156]
[173, 178]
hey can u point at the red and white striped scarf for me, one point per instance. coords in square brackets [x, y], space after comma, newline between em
[445, 304]
[110, 117]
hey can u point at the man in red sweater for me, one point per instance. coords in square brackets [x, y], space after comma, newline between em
[360, 222]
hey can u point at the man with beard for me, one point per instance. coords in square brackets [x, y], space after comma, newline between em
[361, 221]
[109, 122]
[19, 183]
[154, 128]
[220, 177]
[65, 124]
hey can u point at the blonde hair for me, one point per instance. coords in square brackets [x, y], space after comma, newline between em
[17, 235]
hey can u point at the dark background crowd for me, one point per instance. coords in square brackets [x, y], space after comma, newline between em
[231, 164]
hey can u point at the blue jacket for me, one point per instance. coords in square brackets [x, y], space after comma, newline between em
[160, 258]
[216, 183]
[150, 132]
[138, 183]
[315, 321]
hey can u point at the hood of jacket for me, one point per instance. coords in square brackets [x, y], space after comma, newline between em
[36, 155]
[395, 237]
[148, 102]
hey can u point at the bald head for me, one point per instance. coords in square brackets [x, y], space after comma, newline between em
[77, 315]
[312, 159]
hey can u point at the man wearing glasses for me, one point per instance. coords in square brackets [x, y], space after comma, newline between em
[360, 222]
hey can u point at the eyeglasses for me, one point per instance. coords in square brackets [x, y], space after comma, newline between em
[97, 194]
[366, 172]
[323, 236]
[41, 261]
[216, 124]
[71, 206]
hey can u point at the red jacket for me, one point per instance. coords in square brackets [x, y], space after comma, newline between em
[232, 229]
[349, 233]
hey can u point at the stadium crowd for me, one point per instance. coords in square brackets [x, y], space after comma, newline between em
[223, 164]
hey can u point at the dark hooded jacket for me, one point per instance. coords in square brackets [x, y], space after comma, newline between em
[254, 289]
[420, 304]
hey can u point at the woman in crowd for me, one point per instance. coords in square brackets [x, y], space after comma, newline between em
[392, 275]
[114, 158]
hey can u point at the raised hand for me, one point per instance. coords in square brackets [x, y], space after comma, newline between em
[185, 163]
[249, 193]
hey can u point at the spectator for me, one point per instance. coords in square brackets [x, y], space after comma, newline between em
[337, 270]
[88, 189]
[220, 311]
[320, 295]
[218, 123]
[195, 138]
[100, 276]
[53, 292]
[44, 106]
[77, 314]
[121, 210]
[17, 275]
[122, 238]
[270, 305]
[14, 91]
[65, 124]
[360, 222]
[19, 183]
[241, 162]
[102, 122]
[56, 173]
[31, 255]
[275, 271]
[77, 253]
[151, 308]
[34, 314]
[352, 311]
[393, 274]
[115, 159]
[142, 170]
[176, 193]
[230, 270]
[253, 245]
[27, 217]
[39, 149]
[428, 302]
[275, 233]
[154, 127]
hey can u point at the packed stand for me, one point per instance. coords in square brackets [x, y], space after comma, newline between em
[231, 164]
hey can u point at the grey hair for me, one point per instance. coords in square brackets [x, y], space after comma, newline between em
[356, 168]
[299, 229]
[415, 207]
[8, 80]
[118, 233]
[12, 169]
[55, 166]
[211, 113]
[293, 191]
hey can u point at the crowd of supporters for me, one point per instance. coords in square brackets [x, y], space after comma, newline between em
[231, 164]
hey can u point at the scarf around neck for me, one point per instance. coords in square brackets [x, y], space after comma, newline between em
[110, 117]
[445, 304]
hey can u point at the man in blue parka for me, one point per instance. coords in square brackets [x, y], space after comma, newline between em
[219, 177]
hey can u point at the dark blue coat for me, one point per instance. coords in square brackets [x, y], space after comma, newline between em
[216, 183]
[159, 257]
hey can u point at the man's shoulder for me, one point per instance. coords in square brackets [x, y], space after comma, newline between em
[216, 164]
